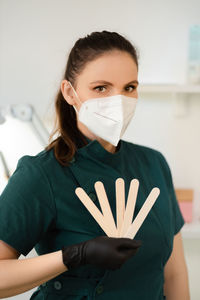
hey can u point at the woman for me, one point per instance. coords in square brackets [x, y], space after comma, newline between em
[39, 207]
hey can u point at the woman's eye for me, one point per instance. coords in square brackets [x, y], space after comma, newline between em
[99, 88]
[132, 86]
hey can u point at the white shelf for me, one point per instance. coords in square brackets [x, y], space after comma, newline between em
[191, 230]
[169, 88]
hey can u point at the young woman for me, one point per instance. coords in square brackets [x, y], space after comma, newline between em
[39, 207]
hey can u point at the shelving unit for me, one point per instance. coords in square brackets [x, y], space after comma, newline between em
[180, 94]
[169, 88]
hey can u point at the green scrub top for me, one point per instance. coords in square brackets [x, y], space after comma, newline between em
[39, 209]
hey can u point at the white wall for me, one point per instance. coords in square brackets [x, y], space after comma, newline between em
[36, 37]
[178, 138]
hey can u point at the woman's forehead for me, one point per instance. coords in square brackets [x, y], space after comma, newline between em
[111, 68]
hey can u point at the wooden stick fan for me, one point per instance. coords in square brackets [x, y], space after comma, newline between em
[124, 215]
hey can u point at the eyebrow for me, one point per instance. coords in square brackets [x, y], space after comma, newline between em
[103, 81]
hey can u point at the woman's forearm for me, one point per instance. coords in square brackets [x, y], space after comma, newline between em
[177, 287]
[20, 275]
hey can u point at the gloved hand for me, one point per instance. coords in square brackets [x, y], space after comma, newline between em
[103, 251]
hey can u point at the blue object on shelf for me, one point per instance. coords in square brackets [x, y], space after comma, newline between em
[194, 55]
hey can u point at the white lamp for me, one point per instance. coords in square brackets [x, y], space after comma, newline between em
[21, 132]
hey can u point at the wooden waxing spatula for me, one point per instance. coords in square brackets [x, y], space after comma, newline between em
[120, 203]
[130, 206]
[135, 226]
[105, 207]
[97, 215]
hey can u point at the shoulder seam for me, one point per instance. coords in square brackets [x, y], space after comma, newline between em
[143, 147]
[52, 194]
[45, 175]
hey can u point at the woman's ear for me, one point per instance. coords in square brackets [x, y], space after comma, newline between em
[67, 92]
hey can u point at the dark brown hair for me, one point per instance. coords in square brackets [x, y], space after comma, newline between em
[84, 50]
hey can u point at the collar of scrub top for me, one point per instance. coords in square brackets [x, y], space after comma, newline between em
[94, 148]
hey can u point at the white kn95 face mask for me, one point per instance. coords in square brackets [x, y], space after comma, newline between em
[107, 117]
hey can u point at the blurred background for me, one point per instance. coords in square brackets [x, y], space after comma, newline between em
[36, 37]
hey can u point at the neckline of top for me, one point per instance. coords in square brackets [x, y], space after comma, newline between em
[94, 146]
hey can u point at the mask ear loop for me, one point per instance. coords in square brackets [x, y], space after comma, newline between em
[76, 96]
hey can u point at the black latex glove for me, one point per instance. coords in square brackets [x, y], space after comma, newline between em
[103, 251]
